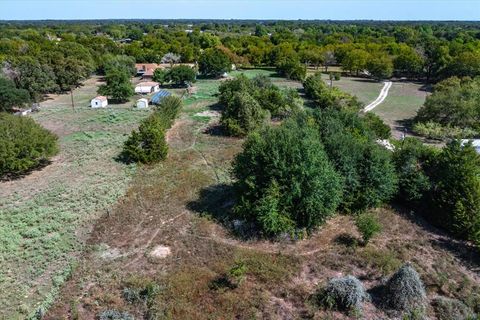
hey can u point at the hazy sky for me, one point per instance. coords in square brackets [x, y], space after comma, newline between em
[241, 9]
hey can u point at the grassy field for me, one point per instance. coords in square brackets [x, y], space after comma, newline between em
[366, 90]
[45, 216]
[175, 208]
[401, 105]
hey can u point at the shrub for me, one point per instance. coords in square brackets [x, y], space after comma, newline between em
[346, 293]
[433, 130]
[411, 157]
[148, 144]
[451, 309]
[405, 290]
[168, 110]
[368, 225]
[285, 180]
[377, 126]
[10, 96]
[114, 315]
[369, 174]
[24, 144]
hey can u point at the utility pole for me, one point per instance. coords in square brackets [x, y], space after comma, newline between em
[71, 96]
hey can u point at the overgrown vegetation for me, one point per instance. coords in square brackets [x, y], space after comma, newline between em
[451, 111]
[444, 185]
[24, 144]
[285, 179]
[249, 103]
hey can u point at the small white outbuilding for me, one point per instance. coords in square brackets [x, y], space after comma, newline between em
[99, 102]
[142, 103]
[147, 87]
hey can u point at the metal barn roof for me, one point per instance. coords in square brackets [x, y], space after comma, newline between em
[158, 97]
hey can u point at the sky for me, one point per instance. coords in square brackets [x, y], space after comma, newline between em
[241, 9]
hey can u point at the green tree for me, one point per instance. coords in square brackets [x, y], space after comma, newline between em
[355, 60]
[35, 77]
[115, 62]
[214, 62]
[160, 76]
[285, 180]
[370, 177]
[454, 103]
[10, 96]
[380, 66]
[181, 75]
[118, 86]
[455, 195]
[243, 115]
[148, 144]
[24, 144]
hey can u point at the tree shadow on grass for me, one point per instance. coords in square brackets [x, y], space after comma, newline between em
[19, 175]
[463, 250]
[217, 202]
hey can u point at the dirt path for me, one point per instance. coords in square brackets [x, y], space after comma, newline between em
[380, 98]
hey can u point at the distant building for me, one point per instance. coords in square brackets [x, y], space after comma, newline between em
[158, 97]
[142, 103]
[99, 102]
[147, 87]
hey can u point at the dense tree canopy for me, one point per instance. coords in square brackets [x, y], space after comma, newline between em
[285, 180]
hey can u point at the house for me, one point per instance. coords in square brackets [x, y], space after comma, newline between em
[99, 102]
[158, 97]
[146, 70]
[142, 103]
[147, 87]
[475, 143]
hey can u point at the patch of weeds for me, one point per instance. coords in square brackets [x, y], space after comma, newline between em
[368, 225]
[139, 289]
[231, 279]
[384, 261]
[451, 309]
[114, 315]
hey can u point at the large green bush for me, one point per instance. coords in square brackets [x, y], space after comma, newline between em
[10, 96]
[213, 62]
[285, 180]
[370, 177]
[24, 144]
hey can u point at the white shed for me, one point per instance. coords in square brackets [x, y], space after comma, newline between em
[147, 87]
[99, 102]
[142, 103]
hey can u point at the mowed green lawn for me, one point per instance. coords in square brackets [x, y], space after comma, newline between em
[45, 216]
[402, 103]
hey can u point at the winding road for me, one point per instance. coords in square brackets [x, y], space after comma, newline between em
[380, 98]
